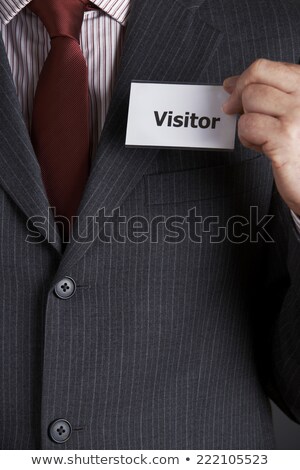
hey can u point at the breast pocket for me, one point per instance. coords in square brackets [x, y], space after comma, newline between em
[246, 181]
[209, 217]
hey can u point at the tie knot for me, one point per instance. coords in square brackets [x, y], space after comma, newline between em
[60, 17]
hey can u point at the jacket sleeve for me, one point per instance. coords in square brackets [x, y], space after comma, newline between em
[280, 332]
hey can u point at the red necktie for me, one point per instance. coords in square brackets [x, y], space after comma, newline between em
[60, 121]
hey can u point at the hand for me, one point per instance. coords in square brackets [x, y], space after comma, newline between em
[267, 95]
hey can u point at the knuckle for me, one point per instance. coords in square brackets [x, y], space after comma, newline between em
[290, 131]
[245, 123]
[246, 120]
[250, 92]
[258, 67]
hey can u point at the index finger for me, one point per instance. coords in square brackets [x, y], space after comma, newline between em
[283, 76]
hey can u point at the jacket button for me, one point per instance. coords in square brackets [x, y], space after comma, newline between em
[60, 431]
[65, 288]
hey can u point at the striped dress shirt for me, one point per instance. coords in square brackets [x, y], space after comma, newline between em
[27, 44]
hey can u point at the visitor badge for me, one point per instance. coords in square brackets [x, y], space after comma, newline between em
[179, 115]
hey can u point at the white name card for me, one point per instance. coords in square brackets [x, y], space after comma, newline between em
[175, 115]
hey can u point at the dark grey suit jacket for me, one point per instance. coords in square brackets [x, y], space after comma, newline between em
[163, 345]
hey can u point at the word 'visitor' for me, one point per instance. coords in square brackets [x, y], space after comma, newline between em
[187, 120]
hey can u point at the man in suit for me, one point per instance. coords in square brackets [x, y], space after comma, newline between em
[149, 344]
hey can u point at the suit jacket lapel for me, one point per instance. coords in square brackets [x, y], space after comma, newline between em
[20, 173]
[165, 41]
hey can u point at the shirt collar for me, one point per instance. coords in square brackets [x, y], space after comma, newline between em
[117, 9]
[10, 8]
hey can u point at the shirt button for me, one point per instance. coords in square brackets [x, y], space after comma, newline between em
[65, 288]
[60, 431]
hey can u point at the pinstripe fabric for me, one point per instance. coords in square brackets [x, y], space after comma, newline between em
[296, 220]
[27, 44]
[163, 345]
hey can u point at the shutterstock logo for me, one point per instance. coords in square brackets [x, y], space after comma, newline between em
[137, 229]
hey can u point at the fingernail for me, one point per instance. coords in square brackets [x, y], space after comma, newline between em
[230, 83]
